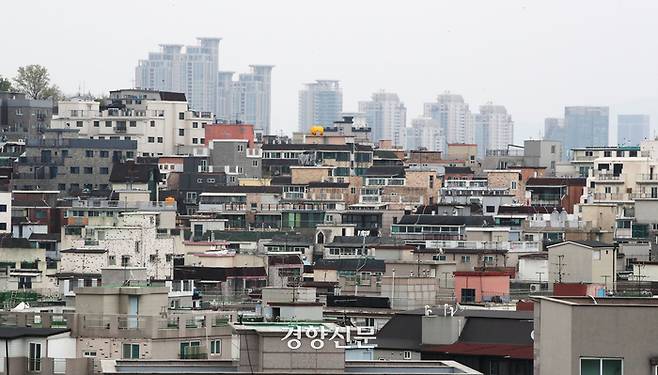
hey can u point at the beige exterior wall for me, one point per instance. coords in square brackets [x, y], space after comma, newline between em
[508, 179]
[304, 175]
[580, 264]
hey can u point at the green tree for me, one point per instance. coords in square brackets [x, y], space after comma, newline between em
[34, 81]
[5, 84]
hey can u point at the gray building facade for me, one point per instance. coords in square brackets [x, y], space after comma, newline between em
[236, 159]
[22, 117]
[632, 129]
[591, 335]
[320, 103]
[192, 71]
[542, 153]
[586, 127]
[62, 162]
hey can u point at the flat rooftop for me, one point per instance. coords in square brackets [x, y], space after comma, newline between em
[603, 301]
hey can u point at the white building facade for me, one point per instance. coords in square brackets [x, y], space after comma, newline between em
[494, 128]
[320, 103]
[387, 116]
[247, 100]
[160, 122]
[425, 133]
[188, 69]
[454, 117]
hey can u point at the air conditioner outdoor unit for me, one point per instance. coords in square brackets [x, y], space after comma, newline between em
[534, 288]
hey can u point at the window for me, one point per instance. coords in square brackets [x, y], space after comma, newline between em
[89, 153]
[105, 170]
[406, 354]
[606, 154]
[3, 226]
[195, 125]
[89, 170]
[211, 180]
[112, 260]
[108, 124]
[75, 170]
[491, 209]
[78, 124]
[130, 351]
[133, 124]
[601, 366]
[552, 149]
[190, 350]
[153, 123]
[181, 115]
[97, 124]
[153, 258]
[34, 358]
[3, 208]
[488, 259]
[216, 347]
[466, 259]
[125, 260]
[151, 139]
[439, 257]
[89, 354]
[160, 140]
[202, 141]
[181, 132]
[513, 185]
[105, 154]
[240, 148]
[254, 163]
[195, 141]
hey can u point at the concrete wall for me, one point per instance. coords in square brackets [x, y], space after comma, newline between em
[579, 264]
[569, 333]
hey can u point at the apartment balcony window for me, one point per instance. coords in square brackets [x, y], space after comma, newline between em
[601, 366]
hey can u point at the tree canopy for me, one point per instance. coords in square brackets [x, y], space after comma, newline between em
[34, 81]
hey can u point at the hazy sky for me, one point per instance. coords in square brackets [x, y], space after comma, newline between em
[532, 56]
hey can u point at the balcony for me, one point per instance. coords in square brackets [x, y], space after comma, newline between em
[609, 177]
[223, 207]
[644, 195]
[611, 197]
[647, 178]
[120, 129]
[142, 206]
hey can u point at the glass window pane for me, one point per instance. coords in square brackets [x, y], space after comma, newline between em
[590, 366]
[612, 366]
[135, 351]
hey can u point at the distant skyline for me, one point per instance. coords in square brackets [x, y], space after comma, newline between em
[534, 58]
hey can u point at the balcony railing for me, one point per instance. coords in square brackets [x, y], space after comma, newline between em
[611, 196]
[609, 177]
[647, 177]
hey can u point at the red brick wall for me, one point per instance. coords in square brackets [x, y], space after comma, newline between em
[230, 131]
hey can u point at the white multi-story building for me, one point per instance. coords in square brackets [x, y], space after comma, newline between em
[320, 103]
[454, 117]
[129, 240]
[494, 128]
[192, 71]
[247, 100]
[386, 116]
[159, 121]
[425, 132]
